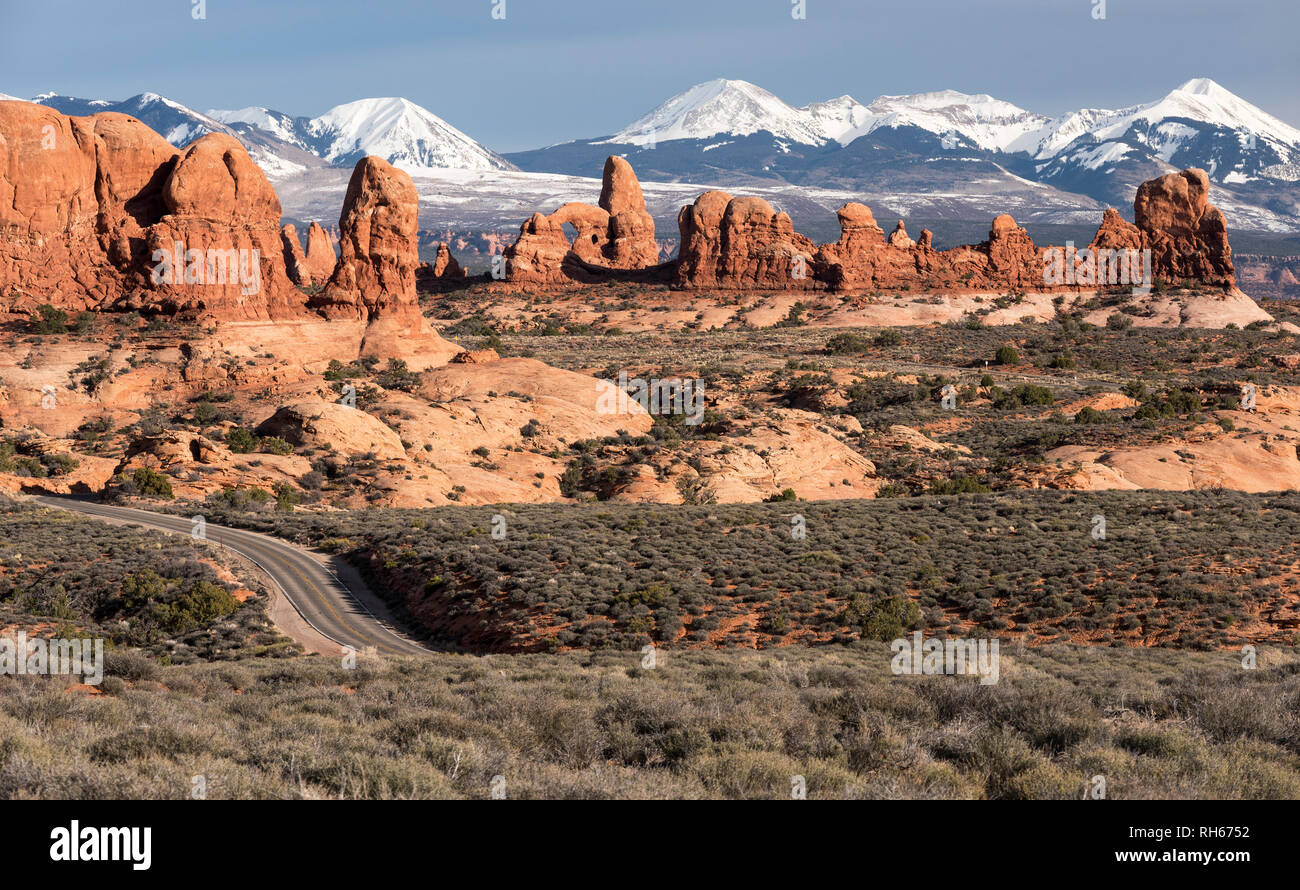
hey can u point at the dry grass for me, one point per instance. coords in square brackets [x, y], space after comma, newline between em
[1156, 724]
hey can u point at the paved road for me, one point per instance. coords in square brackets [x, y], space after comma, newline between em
[324, 601]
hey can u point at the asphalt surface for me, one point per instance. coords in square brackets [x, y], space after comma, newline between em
[325, 601]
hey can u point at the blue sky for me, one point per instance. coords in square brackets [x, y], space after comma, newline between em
[560, 69]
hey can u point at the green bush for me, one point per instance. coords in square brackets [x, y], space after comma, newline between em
[151, 483]
[849, 343]
[958, 485]
[882, 619]
[241, 441]
[48, 320]
[274, 445]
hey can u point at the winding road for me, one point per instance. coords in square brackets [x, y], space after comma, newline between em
[344, 612]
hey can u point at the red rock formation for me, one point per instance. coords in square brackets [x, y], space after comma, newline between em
[445, 265]
[220, 202]
[63, 240]
[724, 247]
[320, 254]
[100, 212]
[294, 260]
[1187, 235]
[750, 245]
[618, 234]
[374, 279]
[700, 225]
[540, 254]
[1116, 233]
[1013, 259]
[899, 237]
[850, 261]
[378, 250]
[631, 232]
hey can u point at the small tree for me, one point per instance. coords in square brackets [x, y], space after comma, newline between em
[241, 441]
[48, 320]
[151, 483]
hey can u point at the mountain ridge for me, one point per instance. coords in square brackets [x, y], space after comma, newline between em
[735, 134]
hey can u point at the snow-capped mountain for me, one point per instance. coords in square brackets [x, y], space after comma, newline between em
[1198, 122]
[738, 108]
[978, 121]
[397, 130]
[400, 131]
[721, 108]
[173, 121]
[734, 133]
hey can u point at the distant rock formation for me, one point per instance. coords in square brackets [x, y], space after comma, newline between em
[442, 270]
[1187, 235]
[320, 254]
[317, 264]
[617, 234]
[741, 243]
[374, 279]
[295, 261]
[631, 234]
[1013, 259]
[445, 265]
[899, 237]
[100, 212]
[378, 251]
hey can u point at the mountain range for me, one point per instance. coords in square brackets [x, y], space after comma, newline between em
[945, 151]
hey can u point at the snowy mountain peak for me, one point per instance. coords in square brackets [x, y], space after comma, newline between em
[721, 107]
[987, 123]
[739, 108]
[1202, 86]
[407, 135]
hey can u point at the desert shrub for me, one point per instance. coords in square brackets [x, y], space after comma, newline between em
[49, 320]
[151, 483]
[849, 343]
[274, 445]
[241, 441]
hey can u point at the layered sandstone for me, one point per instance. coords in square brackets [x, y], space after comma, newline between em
[374, 279]
[617, 234]
[100, 212]
[1187, 235]
[741, 243]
